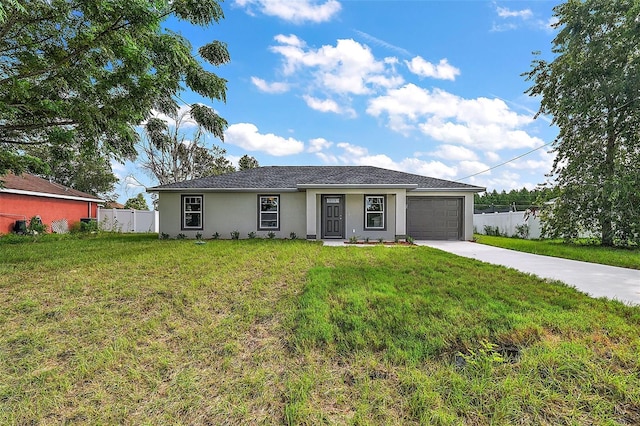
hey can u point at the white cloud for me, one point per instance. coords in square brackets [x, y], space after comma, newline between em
[504, 12]
[327, 105]
[482, 123]
[346, 68]
[183, 111]
[318, 144]
[443, 70]
[360, 156]
[454, 152]
[275, 87]
[297, 11]
[246, 135]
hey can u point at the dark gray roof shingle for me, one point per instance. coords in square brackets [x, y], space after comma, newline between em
[289, 177]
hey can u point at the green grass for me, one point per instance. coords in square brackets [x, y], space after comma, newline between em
[623, 257]
[128, 329]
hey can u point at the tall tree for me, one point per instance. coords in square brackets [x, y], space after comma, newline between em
[592, 90]
[98, 68]
[72, 165]
[137, 203]
[246, 162]
[171, 154]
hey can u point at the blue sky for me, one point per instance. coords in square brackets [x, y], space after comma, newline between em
[427, 87]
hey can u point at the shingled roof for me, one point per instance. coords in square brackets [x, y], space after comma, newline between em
[300, 177]
[28, 184]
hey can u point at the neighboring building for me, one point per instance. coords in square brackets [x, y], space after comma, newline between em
[26, 196]
[318, 202]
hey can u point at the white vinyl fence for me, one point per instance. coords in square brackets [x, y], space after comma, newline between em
[508, 224]
[123, 220]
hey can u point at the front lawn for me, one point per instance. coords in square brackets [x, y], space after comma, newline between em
[623, 257]
[129, 329]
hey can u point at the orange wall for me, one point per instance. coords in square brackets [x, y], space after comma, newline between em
[16, 207]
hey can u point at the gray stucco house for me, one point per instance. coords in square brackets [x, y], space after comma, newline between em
[318, 202]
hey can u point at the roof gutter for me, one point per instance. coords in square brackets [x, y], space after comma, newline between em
[48, 195]
[472, 189]
[409, 186]
[197, 190]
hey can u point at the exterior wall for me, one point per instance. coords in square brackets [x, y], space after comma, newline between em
[467, 203]
[23, 207]
[227, 212]
[300, 212]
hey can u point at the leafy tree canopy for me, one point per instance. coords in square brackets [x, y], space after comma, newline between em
[592, 90]
[137, 203]
[97, 69]
[172, 154]
[246, 162]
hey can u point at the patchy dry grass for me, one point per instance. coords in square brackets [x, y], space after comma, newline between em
[128, 329]
[586, 252]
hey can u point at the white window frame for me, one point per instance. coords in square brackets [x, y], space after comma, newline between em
[382, 202]
[265, 212]
[191, 200]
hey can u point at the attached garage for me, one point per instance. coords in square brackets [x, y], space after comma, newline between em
[435, 218]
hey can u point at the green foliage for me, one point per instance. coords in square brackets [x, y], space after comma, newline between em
[522, 231]
[137, 203]
[591, 89]
[171, 155]
[216, 235]
[246, 162]
[77, 65]
[181, 236]
[251, 235]
[75, 164]
[235, 235]
[164, 236]
[36, 226]
[292, 236]
[522, 199]
[491, 230]
[271, 235]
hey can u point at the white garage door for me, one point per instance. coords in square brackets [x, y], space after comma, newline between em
[434, 218]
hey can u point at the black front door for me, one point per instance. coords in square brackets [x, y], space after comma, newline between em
[333, 216]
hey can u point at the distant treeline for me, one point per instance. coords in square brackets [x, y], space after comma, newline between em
[522, 199]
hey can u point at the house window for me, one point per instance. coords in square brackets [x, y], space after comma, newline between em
[374, 212]
[269, 212]
[192, 212]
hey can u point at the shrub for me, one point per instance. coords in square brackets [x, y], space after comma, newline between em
[164, 236]
[491, 230]
[271, 235]
[522, 231]
[216, 236]
[293, 235]
[181, 236]
[251, 235]
[235, 235]
[36, 226]
[199, 236]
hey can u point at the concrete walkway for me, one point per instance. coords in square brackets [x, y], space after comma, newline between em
[596, 280]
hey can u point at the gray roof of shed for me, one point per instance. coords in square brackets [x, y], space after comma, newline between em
[296, 177]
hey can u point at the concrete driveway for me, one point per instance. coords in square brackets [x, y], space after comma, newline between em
[596, 280]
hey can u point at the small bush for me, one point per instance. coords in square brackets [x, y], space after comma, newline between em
[410, 239]
[199, 236]
[293, 235]
[216, 236]
[164, 236]
[492, 230]
[353, 239]
[251, 235]
[181, 236]
[522, 231]
[271, 235]
[36, 226]
[235, 235]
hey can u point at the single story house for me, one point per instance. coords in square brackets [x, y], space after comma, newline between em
[318, 202]
[25, 196]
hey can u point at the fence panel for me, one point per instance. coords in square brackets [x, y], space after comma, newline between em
[507, 222]
[123, 220]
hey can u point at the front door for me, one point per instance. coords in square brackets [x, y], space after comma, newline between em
[333, 216]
